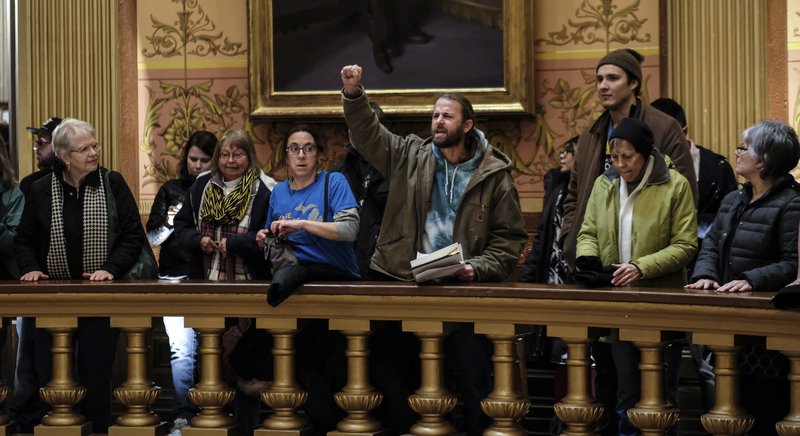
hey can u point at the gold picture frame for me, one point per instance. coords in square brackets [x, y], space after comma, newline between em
[514, 97]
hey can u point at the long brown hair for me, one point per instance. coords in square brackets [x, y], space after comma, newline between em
[7, 176]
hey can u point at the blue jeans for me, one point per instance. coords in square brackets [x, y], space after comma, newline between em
[183, 347]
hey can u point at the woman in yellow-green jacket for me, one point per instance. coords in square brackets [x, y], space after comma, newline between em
[640, 229]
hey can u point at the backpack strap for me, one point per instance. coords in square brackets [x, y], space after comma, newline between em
[325, 193]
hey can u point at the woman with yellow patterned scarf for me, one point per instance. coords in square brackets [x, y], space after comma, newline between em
[226, 209]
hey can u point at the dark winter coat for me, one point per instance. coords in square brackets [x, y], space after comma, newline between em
[535, 268]
[188, 235]
[754, 241]
[172, 260]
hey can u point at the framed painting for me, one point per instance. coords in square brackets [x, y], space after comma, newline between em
[297, 49]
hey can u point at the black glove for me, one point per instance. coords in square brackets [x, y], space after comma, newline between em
[787, 298]
[592, 273]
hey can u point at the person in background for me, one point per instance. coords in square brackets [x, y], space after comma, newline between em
[24, 403]
[370, 189]
[216, 228]
[12, 202]
[715, 179]
[174, 262]
[640, 229]
[545, 263]
[64, 235]
[45, 157]
[752, 247]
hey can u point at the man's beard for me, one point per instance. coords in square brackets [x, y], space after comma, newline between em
[47, 163]
[450, 140]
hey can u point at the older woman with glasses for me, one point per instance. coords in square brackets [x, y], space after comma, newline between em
[222, 213]
[752, 247]
[81, 222]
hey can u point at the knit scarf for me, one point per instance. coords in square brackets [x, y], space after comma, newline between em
[220, 209]
[626, 203]
[95, 229]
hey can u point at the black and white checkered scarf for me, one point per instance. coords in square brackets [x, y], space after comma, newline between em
[95, 230]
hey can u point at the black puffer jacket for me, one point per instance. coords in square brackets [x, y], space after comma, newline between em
[754, 241]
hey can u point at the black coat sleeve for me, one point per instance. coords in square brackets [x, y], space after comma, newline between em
[186, 234]
[32, 230]
[131, 239]
[158, 212]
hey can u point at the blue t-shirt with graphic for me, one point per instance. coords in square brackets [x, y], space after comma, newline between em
[286, 203]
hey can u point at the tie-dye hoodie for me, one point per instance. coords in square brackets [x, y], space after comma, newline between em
[449, 185]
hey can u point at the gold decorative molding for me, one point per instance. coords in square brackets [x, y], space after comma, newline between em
[505, 404]
[652, 414]
[578, 409]
[62, 392]
[718, 65]
[138, 393]
[284, 396]
[211, 394]
[727, 417]
[790, 425]
[358, 397]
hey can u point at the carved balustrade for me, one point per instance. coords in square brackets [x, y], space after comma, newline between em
[501, 311]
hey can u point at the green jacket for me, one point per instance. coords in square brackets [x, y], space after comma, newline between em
[488, 224]
[664, 227]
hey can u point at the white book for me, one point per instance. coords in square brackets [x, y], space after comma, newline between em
[444, 262]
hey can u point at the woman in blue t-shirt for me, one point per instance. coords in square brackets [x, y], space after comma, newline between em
[319, 230]
[316, 212]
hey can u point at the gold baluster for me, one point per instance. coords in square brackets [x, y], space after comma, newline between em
[284, 396]
[431, 400]
[211, 394]
[358, 397]
[727, 416]
[62, 392]
[138, 392]
[652, 414]
[5, 426]
[505, 404]
[577, 409]
[790, 425]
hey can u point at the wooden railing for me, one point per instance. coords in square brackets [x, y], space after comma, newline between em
[501, 311]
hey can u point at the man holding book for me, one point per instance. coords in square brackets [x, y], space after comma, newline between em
[450, 188]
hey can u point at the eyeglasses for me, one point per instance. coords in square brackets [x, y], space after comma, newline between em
[741, 148]
[236, 155]
[39, 143]
[307, 149]
[86, 149]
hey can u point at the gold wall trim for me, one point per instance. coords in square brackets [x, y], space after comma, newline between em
[718, 61]
[73, 66]
[594, 55]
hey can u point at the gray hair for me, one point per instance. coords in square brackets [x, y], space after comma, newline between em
[775, 143]
[67, 131]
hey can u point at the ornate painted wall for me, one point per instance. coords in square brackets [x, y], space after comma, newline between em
[192, 74]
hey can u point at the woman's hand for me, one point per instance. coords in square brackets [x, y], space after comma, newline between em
[99, 276]
[736, 286]
[703, 284]
[284, 227]
[223, 247]
[625, 274]
[171, 212]
[34, 276]
[207, 244]
[261, 237]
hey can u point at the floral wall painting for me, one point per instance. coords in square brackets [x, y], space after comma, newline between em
[600, 22]
[192, 92]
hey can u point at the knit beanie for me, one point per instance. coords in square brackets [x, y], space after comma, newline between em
[628, 59]
[637, 133]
